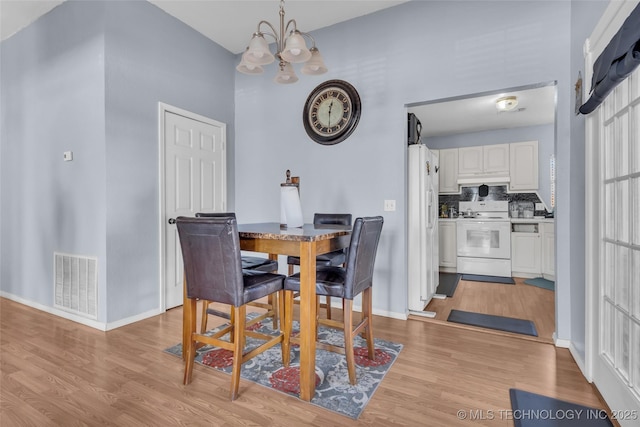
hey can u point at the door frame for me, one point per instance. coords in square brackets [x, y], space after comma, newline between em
[164, 108]
[607, 26]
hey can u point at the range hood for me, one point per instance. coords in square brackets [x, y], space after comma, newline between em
[483, 179]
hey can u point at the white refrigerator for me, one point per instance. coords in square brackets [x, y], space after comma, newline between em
[423, 253]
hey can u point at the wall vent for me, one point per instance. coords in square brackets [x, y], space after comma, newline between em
[76, 284]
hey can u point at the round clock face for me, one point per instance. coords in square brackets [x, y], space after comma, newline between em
[332, 112]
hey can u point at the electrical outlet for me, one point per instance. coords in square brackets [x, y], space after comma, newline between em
[539, 206]
[389, 205]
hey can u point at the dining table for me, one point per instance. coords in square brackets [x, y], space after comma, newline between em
[305, 242]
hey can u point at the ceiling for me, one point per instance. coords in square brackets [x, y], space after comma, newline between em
[231, 23]
[228, 23]
[536, 106]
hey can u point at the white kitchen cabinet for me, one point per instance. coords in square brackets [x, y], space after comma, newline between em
[447, 242]
[523, 166]
[448, 171]
[470, 161]
[526, 252]
[548, 251]
[483, 162]
[495, 159]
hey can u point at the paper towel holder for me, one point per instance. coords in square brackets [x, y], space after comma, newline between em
[290, 208]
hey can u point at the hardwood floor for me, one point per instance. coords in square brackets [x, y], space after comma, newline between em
[57, 372]
[519, 301]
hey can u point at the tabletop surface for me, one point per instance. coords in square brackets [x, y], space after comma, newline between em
[306, 233]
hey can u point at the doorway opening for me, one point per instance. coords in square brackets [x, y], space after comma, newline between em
[487, 155]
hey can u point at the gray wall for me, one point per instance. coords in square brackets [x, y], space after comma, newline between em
[427, 51]
[584, 17]
[85, 87]
[544, 134]
[88, 77]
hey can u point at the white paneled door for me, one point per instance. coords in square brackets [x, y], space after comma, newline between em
[613, 236]
[194, 173]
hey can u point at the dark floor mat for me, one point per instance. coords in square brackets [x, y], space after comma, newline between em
[536, 410]
[490, 279]
[448, 284]
[541, 282]
[500, 323]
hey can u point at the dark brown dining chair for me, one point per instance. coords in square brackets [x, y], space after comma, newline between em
[213, 272]
[248, 263]
[346, 283]
[331, 259]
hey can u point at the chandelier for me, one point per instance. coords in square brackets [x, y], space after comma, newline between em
[289, 50]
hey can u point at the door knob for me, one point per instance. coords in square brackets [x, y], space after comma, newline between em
[172, 220]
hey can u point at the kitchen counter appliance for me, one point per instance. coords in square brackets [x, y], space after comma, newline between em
[484, 238]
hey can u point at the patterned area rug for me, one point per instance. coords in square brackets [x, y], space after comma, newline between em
[333, 390]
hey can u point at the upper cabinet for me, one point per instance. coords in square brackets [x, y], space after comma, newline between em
[484, 163]
[448, 171]
[515, 164]
[470, 161]
[496, 159]
[523, 166]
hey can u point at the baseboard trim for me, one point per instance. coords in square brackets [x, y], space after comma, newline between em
[383, 313]
[101, 326]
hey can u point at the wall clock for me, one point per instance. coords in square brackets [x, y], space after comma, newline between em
[332, 112]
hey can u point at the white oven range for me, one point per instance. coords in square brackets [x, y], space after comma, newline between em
[484, 238]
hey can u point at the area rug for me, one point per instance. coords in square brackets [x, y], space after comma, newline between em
[333, 390]
[541, 283]
[500, 323]
[489, 279]
[448, 282]
[535, 410]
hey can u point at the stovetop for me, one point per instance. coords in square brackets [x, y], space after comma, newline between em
[494, 210]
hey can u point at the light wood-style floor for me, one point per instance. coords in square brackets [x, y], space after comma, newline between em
[520, 301]
[55, 372]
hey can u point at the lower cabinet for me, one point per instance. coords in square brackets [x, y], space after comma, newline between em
[525, 254]
[447, 242]
[532, 250]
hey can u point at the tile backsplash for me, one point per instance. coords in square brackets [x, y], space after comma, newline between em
[496, 192]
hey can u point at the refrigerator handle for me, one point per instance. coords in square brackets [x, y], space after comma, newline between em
[430, 209]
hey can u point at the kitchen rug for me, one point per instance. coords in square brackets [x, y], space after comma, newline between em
[333, 390]
[500, 323]
[448, 282]
[535, 410]
[541, 282]
[490, 279]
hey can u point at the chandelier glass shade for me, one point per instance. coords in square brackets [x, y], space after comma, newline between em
[290, 49]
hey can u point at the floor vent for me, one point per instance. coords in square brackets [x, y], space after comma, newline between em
[76, 284]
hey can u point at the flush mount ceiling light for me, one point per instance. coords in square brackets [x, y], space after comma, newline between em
[507, 103]
[289, 49]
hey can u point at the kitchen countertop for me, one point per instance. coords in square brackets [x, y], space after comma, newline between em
[513, 220]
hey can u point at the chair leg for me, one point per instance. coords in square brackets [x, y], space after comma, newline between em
[238, 336]
[327, 301]
[204, 318]
[367, 312]
[348, 340]
[290, 269]
[190, 351]
[272, 300]
[287, 320]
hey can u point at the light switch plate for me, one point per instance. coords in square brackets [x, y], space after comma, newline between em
[389, 205]
[67, 156]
